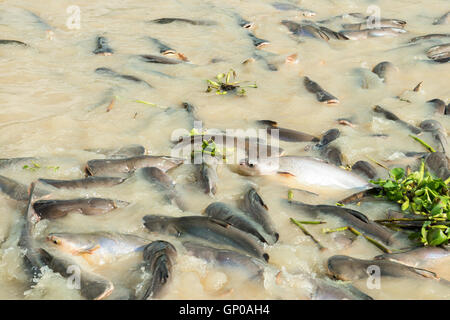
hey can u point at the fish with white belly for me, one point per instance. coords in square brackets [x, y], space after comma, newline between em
[307, 170]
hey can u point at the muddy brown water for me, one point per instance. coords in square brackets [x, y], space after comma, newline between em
[51, 108]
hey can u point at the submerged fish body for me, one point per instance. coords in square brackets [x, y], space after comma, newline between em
[92, 286]
[291, 7]
[86, 183]
[115, 167]
[162, 47]
[54, 209]
[227, 259]
[390, 116]
[16, 42]
[98, 247]
[352, 217]
[384, 69]
[348, 269]
[439, 53]
[159, 257]
[418, 257]
[325, 289]
[438, 164]
[13, 189]
[312, 31]
[306, 170]
[205, 228]
[127, 151]
[365, 168]
[112, 73]
[183, 20]
[321, 94]
[285, 134]
[103, 47]
[208, 174]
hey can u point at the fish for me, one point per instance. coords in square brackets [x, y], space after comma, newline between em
[291, 7]
[332, 155]
[206, 228]
[114, 74]
[447, 109]
[370, 33]
[114, 167]
[55, 209]
[8, 162]
[312, 31]
[269, 66]
[85, 183]
[364, 168]
[235, 217]
[353, 218]
[390, 116]
[325, 289]
[362, 195]
[307, 170]
[438, 105]
[208, 174]
[227, 259]
[103, 47]
[328, 137]
[345, 15]
[257, 42]
[243, 22]
[349, 269]
[285, 134]
[149, 58]
[16, 42]
[430, 36]
[248, 145]
[97, 248]
[382, 23]
[321, 94]
[437, 163]
[438, 132]
[159, 258]
[13, 189]
[254, 206]
[164, 183]
[183, 20]
[162, 47]
[439, 53]
[444, 19]
[384, 69]
[418, 257]
[92, 286]
[127, 151]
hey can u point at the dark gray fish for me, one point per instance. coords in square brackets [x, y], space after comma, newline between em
[257, 42]
[114, 74]
[437, 131]
[269, 66]
[86, 183]
[390, 116]
[190, 109]
[238, 219]
[227, 259]
[361, 195]
[131, 150]
[243, 22]
[8, 162]
[159, 257]
[430, 125]
[13, 189]
[384, 69]
[92, 286]
[291, 7]
[437, 163]
[325, 289]
[447, 109]
[348, 269]
[20, 43]
[439, 53]
[164, 183]
[332, 154]
[418, 257]
[114, 167]
[158, 59]
[321, 94]
[285, 134]
[438, 104]
[352, 217]
[255, 208]
[189, 21]
[163, 48]
[430, 37]
[103, 47]
[328, 137]
[39, 21]
[370, 33]
[208, 175]
[211, 230]
[382, 23]
[364, 168]
[54, 209]
[445, 19]
[312, 31]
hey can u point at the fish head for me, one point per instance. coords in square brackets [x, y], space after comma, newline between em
[257, 167]
[345, 268]
[155, 223]
[72, 243]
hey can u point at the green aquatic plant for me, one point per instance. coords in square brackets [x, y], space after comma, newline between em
[223, 87]
[422, 195]
[35, 166]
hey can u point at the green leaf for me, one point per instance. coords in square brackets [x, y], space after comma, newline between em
[405, 205]
[436, 237]
[397, 173]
